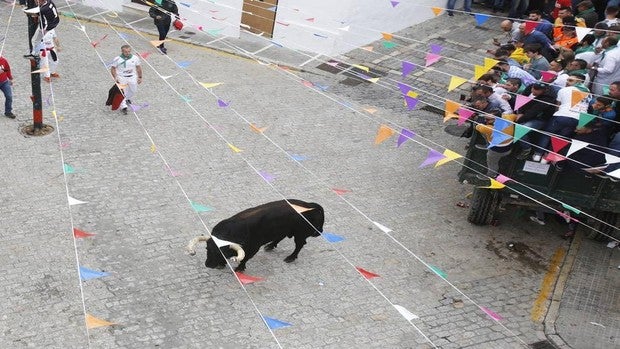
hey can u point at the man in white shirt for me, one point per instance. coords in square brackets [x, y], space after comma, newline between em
[127, 73]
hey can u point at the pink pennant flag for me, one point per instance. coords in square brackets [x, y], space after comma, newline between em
[310, 19]
[247, 279]
[502, 179]
[77, 233]
[145, 54]
[553, 157]
[340, 191]
[433, 157]
[307, 83]
[567, 217]
[548, 76]
[464, 115]
[521, 101]
[432, 58]
[558, 144]
[267, 176]
[492, 314]
[408, 67]
[366, 274]
[405, 135]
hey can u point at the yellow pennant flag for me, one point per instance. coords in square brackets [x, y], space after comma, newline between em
[384, 133]
[413, 94]
[387, 36]
[93, 322]
[450, 155]
[577, 96]
[479, 71]
[210, 84]
[153, 148]
[373, 80]
[455, 82]
[495, 185]
[370, 110]
[490, 62]
[366, 69]
[54, 113]
[436, 10]
[257, 129]
[235, 149]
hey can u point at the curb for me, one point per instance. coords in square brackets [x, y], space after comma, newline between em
[553, 312]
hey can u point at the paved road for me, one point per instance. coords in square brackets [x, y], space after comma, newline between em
[142, 217]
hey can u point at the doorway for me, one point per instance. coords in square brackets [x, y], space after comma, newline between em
[260, 15]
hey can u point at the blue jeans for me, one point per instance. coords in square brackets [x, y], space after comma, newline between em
[8, 96]
[526, 141]
[518, 8]
[466, 5]
[559, 126]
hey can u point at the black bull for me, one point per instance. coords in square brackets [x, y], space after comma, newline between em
[267, 224]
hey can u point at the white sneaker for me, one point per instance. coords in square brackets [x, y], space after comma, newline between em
[536, 220]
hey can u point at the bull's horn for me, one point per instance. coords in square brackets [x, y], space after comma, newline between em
[191, 247]
[240, 252]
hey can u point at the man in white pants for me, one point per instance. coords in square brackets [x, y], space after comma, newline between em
[49, 55]
[127, 72]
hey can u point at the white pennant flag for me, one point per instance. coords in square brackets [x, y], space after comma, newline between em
[405, 313]
[382, 227]
[615, 173]
[73, 201]
[346, 29]
[575, 146]
[611, 159]
[581, 32]
[220, 243]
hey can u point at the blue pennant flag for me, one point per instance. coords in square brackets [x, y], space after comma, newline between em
[87, 274]
[481, 18]
[333, 238]
[275, 323]
[184, 64]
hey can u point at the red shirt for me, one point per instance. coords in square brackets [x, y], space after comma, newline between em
[5, 70]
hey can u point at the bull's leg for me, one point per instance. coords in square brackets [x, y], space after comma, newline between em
[299, 243]
[270, 246]
[249, 253]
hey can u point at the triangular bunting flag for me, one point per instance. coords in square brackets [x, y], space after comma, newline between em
[394, 3]
[310, 19]
[361, 67]
[373, 80]
[274, 324]
[432, 157]
[502, 179]
[442, 274]
[530, 26]
[382, 227]
[368, 48]
[88, 274]
[333, 238]
[464, 115]
[521, 101]
[68, 168]
[611, 159]
[479, 70]
[571, 208]
[157, 42]
[93, 322]
[42, 70]
[489, 63]
[405, 135]
[257, 129]
[451, 107]
[577, 96]
[387, 36]
[582, 32]
[370, 110]
[491, 314]
[405, 313]
[346, 29]
[411, 102]
[389, 44]
[404, 89]
[520, 131]
[449, 155]
[73, 201]
[200, 208]
[408, 67]
[384, 133]
[548, 76]
[558, 144]
[222, 104]
[495, 185]
[77, 233]
[615, 174]
[481, 18]
[153, 148]
[268, 177]
[553, 157]
[210, 84]
[436, 11]
[300, 209]
[431, 58]
[455, 82]
[340, 191]
[584, 119]
[247, 279]
[435, 48]
[235, 149]
[366, 274]
[219, 242]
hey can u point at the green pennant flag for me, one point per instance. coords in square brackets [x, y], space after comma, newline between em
[389, 44]
[571, 208]
[68, 169]
[584, 119]
[201, 208]
[520, 131]
[68, 14]
[442, 274]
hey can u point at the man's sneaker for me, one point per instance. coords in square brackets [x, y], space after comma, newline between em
[46, 79]
[10, 115]
[536, 220]
[55, 75]
[163, 50]
[128, 101]
[124, 111]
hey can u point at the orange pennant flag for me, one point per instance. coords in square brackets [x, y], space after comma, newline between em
[451, 108]
[577, 96]
[93, 322]
[479, 71]
[384, 133]
[370, 110]
[158, 42]
[368, 48]
[455, 82]
[436, 10]
[257, 129]
[387, 36]
[449, 156]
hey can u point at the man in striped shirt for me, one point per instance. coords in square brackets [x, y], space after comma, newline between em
[515, 72]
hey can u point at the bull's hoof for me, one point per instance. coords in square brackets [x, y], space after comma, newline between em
[290, 259]
[269, 247]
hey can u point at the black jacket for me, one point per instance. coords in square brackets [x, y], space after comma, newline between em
[49, 16]
[157, 10]
[541, 107]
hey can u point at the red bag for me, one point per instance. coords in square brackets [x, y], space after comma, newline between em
[178, 25]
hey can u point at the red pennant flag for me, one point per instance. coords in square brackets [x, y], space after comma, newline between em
[247, 279]
[340, 191]
[558, 144]
[530, 26]
[77, 233]
[552, 157]
[366, 274]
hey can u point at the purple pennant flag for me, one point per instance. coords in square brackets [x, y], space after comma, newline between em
[408, 67]
[405, 135]
[394, 3]
[364, 76]
[411, 102]
[436, 49]
[266, 176]
[404, 88]
[138, 107]
[222, 104]
[433, 157]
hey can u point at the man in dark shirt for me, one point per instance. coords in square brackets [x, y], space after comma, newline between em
[48, 20]
[535, 114]
[161, 16]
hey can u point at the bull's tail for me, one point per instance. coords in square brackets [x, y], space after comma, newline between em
[191, 247]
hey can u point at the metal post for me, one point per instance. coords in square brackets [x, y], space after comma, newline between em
[37, 100]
